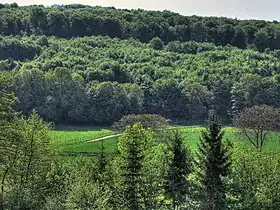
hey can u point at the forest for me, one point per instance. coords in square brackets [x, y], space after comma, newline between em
[99, 79]
[79, 20]
[114, 68]
[105, 108]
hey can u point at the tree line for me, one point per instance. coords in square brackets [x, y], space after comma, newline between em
[80, 20]
[100, 79]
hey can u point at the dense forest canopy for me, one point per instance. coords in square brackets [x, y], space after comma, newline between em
[100, 79]
[79, 20]
[78, 63]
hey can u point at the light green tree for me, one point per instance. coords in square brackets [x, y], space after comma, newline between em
[9, 135]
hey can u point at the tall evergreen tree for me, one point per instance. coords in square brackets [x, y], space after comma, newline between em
[132, 150]
[177, 186]
[213, 165]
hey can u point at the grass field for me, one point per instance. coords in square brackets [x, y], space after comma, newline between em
[74, 139]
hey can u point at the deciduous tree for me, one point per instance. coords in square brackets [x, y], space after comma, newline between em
[257, 122]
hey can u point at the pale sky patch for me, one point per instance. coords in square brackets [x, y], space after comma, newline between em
[242, 9]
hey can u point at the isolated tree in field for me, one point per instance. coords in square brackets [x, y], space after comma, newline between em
[257, 122]
[213, 165]
[132, 151]
[177, 186]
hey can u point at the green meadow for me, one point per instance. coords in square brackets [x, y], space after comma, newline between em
[86, 139]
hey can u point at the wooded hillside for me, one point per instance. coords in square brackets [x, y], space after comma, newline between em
[137, 62]
[79, 20]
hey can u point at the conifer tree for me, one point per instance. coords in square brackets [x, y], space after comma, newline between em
[177, 186]
[213, 165]
[132, 150]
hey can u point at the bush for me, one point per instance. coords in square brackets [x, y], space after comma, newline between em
[256, 179]
[151, 121]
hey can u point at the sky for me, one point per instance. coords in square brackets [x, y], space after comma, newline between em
[241, 9]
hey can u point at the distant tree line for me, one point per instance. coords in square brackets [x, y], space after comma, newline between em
[99, 79]
[80, 20]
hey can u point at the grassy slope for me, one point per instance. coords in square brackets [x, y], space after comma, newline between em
[73, 139]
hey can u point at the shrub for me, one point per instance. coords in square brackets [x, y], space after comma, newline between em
[151, 121]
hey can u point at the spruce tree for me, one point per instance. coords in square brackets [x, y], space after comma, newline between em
[213, 165]
[132, 150]
[177, 186]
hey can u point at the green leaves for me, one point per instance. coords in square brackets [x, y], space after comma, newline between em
[74, 77]
[135, 138]
[25, 155]
[177, 185]
[256, 178]
[156, 43]
[132, 148]
[213, 164]
[148, 121]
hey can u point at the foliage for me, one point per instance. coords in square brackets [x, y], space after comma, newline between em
[9, 136]
[80, 20]
[80, 64]
[213, 166]
[255, 179]
[26, 155]
[154, 122]
[156, 43]
[84, 191]
[155, 171]
[257, 122]
[121, 62]
[12, 48]
[98, 79]
[35, 179]
[132, 148]
[177, 185]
